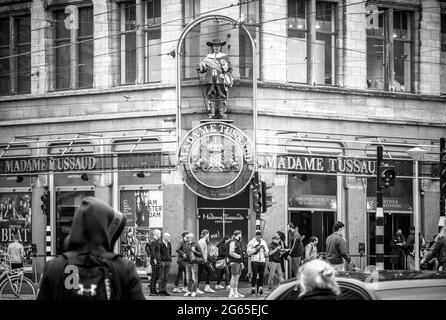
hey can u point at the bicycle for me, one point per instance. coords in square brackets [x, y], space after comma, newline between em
[16, 286]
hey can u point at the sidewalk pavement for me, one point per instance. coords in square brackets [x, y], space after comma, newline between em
[220, 294]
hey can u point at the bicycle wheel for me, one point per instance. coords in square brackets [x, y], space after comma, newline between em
[17, 287]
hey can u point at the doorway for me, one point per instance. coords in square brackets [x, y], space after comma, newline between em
[314, 223]
[392, 222]
[67, 203]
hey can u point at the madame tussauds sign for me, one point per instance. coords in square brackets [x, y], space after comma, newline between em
[300, 163]
[47, 164]
[216, 160]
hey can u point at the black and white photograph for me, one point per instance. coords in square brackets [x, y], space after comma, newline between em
[237, 152]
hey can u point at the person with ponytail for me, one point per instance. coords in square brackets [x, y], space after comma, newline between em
[317, 281]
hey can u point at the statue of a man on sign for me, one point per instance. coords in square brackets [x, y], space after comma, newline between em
[218, 79]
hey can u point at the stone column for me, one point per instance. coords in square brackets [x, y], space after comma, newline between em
[39, 220]
[356, 217]
[355, 44]
[430, 69]
[39, 24]
[102, 58]
[273, 44]
[103, 183]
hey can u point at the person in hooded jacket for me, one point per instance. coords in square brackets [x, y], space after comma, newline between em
[94, 232]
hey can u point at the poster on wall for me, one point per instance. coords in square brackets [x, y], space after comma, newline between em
[212, 220]
[15, 218]
[237, 219]
[221, 222]
[144, 212]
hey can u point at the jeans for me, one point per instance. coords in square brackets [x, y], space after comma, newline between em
[258, 268]
[274, 269]
[164, 272]
[192, 276]
[224, 272]
[181, 271]
[205, 267]
[295, 263]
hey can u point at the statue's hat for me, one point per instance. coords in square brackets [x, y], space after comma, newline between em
[217, 42]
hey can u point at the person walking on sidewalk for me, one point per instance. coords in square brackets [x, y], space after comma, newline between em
[235, 257]
[166, 262]
[155, 260]
[337, 247]
[222, 258]
[205, 266]
[181, 254]
[297, 248]
[275, 268]
[258, 251]
[311, 249]
[438, 249]
[16, 253]
[410, 248]
[194, 257]
[397, 254]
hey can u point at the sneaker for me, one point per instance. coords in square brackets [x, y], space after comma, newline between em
[164, 293]
[193, 294]
[184, 289]
[208, 289]
[228, 288]
[239, 295]
[187, 294]
[218, 287]
[253, 291]
[199, 291]
[232, 295]
[176, 290]
[260, 292]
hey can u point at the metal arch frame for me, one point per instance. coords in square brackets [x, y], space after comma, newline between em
[185, 31]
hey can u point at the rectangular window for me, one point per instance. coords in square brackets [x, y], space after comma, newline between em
[191, 48]
[15, 54]
[297, 41]
[389, 52]
[443, 54]
[251, 12]
[325, 43]
[128, 43]
[151, 13]
[153, 41]
[70, 74]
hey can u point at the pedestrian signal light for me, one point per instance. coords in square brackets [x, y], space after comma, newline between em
[45, 203]
[387, 176]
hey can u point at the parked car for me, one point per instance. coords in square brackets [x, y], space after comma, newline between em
[378, 285]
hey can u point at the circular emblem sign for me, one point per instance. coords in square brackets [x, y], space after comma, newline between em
[216, 160]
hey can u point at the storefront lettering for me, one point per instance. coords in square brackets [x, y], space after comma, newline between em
[7, 234]
[317, 164]
[44, 164]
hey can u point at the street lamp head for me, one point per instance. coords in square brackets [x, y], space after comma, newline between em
[416, 153]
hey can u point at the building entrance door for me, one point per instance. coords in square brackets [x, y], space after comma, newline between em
[67, 203]
[316, 223]
[392, 222]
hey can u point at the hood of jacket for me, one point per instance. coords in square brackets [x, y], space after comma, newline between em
[95, 225]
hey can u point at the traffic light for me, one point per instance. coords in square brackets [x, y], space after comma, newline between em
[45, 203]
[256, 187]
[386, 176]
[442, 175]
[267, 197]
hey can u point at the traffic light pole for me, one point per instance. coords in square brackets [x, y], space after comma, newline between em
[379, 224]
[442, 167]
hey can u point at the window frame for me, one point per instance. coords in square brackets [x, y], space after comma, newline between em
[12, 74]
[74, 71]
[389, 40]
